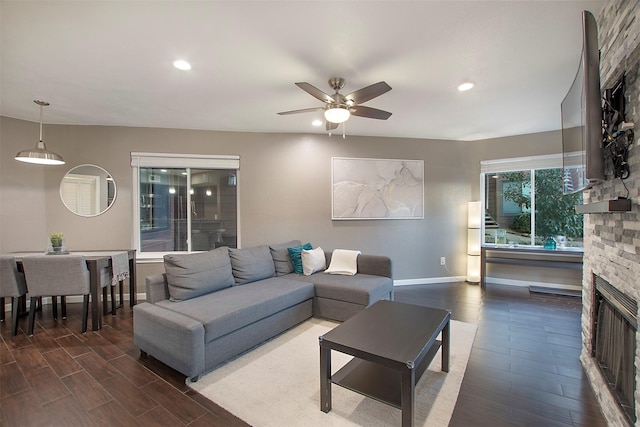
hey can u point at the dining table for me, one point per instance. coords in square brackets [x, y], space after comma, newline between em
[96, 260]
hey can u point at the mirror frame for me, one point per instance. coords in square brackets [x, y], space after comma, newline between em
[115, 190]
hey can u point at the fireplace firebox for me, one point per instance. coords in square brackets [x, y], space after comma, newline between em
[614, 342]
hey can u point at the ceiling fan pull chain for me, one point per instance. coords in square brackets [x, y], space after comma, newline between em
[344, 125]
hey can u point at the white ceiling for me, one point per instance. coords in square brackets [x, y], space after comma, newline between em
[110, 63]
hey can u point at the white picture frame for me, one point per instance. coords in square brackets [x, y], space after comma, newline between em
[364, 189]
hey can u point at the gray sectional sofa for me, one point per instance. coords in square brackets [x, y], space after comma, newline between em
[209, 307]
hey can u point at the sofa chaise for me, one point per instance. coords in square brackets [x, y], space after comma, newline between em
[210, 307]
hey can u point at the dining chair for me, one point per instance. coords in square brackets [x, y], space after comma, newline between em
[57, 275]
[12, 284]
[119, 269]
[114, 305]
[106, 281]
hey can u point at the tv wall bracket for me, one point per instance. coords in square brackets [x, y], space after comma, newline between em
[617, 138]
[616, 132]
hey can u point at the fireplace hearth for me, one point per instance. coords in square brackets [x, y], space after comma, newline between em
[614, 342]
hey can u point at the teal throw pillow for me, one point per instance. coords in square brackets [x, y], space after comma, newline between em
[295, 253]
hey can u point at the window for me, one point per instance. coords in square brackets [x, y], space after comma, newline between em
[184, 203]
[525, 194]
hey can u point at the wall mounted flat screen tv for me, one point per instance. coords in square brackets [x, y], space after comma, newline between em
[582, 155]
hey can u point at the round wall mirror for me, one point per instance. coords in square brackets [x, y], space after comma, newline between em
[88, 190]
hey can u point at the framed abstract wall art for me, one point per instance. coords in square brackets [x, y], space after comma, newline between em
[377, 189]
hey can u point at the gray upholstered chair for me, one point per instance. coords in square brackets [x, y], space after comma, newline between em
[12, 285]
[119, 266]
[61, 275]
[106, 278]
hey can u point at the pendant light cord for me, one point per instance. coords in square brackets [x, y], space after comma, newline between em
[40, 123]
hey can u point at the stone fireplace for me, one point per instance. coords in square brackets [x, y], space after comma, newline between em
[612, 240]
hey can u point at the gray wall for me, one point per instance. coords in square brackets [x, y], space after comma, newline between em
[284, 189]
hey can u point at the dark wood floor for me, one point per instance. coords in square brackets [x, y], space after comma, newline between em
[523, 369]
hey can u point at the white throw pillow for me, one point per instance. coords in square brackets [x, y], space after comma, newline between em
[343, 261]
[313, 260]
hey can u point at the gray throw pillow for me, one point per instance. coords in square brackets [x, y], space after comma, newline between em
[192, 275]
[281, 258]
[251, 264]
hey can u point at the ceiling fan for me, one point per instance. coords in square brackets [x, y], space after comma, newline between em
[339, 107]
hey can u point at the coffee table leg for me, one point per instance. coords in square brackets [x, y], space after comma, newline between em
[325, 378]
[408, 387]
[445, 347]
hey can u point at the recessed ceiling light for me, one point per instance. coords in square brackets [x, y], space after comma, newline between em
[181, 64]
[465, 86]
[317, 122]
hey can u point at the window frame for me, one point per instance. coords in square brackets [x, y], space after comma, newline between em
[188, 162]
[516, 164]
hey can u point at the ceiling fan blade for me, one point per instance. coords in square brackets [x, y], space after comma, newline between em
[370, 113]
[366, 93]
[304, 110]
[331, 126]
[315, 92]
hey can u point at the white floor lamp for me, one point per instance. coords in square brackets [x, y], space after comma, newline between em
[474, 229]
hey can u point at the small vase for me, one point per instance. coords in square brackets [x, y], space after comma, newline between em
[550, 243]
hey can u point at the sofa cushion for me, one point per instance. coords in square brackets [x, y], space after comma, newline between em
[236, 307]
[363, 289]
[296, 256]
[192, 275]
[281, 258]
[344, 262]
[312, 261]
[251, 264]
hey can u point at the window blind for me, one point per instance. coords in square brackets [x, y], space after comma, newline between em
[170, 160]
[549, 161]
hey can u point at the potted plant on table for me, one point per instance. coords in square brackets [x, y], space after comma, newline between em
[56, 241]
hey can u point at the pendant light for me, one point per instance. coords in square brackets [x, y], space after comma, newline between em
[40, 155]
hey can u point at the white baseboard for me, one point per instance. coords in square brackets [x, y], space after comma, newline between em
[494, 280]
[429, 281]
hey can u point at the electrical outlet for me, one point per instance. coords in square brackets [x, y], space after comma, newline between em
[443, 261]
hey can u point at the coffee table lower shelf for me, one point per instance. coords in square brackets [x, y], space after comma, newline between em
[376, 381]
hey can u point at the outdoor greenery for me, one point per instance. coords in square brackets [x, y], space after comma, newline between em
[555, 213]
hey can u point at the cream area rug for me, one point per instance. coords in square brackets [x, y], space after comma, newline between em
[278, 384]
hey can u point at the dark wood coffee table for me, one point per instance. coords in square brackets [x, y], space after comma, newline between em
[393, 344]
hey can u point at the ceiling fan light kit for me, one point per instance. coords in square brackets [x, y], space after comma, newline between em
[337, 114]
[40, 155]
[339, 108]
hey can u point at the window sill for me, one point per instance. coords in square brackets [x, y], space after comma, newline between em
[156, 257]
[532, 249]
